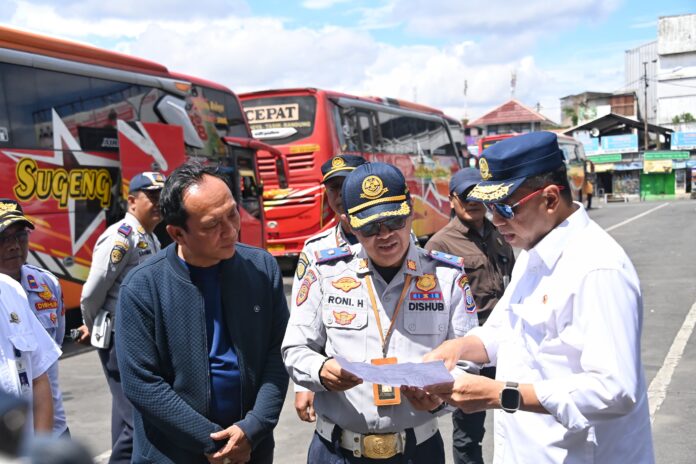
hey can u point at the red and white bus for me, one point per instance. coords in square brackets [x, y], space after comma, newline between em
[77, 122]
[573, 152]
[310, 126]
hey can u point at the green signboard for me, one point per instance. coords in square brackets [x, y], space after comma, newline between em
[613, 158]
[657, 155]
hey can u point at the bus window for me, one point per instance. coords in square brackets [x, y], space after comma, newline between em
[281, 120]
[367, 131]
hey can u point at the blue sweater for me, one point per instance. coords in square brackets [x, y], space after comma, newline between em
[162, 352]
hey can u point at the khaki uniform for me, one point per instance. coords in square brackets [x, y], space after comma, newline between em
[119, 249]
[488, 260]
[332, 315]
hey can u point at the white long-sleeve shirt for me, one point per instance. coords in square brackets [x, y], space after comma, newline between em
[570, 324]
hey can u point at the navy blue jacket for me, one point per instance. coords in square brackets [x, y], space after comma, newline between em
[163, 355]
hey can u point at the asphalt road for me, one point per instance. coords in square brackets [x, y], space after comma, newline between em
[659, 237]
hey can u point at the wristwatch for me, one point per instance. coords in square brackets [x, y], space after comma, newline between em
[510, 399]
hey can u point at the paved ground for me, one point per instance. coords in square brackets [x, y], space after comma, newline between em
[661, 245]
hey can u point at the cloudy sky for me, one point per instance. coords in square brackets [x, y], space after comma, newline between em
[411, 49]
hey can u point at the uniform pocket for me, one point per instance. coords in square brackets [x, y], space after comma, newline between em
[426, 318]
[24, 342]
[346, 332]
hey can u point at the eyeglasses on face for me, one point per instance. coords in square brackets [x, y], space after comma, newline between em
[21, 236]
[508, 211]
[391, 224]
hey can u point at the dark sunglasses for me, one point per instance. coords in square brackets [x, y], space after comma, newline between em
[21, 236]
[508, 211]
[391, 224]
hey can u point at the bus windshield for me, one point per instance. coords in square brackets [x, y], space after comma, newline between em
[281, 120]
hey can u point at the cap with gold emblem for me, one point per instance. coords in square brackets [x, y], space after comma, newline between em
[11, 213]
[373, 192]
[507, 164]
[146, 181]
[340, 166]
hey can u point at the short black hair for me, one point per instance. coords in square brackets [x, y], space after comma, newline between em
[558, 176]
[172, 197]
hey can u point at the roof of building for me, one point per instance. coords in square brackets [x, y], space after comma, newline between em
[610, 122]
[511, 112]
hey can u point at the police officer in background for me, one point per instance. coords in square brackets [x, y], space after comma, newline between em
[388, 302]
[41, 287]
[488, 261]
[119, 249]
[334, 171]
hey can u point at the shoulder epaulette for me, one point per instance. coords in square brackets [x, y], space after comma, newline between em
[332, 254]
[318, 236]
[447, 258]
[41, 270]
[125, 230]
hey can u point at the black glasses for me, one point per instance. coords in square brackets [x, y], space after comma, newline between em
[391, 224]
[508, 211]
[21, 236]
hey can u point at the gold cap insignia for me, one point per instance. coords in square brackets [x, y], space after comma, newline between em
[346, 284]
[344, 318]
[338, 162]
[5, 207]
[485, 171]
[491, 192]
[372, 188]
[426, 282]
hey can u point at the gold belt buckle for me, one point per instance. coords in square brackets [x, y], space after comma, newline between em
[380, 446]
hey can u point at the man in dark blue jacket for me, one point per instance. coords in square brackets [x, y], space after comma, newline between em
[199, 334]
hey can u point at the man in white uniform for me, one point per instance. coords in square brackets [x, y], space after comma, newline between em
[565, 336]
[42, 289]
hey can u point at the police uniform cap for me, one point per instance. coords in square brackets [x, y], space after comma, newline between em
[11, 213]
[146, 181]
[463, 180]
[505, 165]
[374, 192]
[340, 166]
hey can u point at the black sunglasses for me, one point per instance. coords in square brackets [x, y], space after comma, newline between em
[391, 224]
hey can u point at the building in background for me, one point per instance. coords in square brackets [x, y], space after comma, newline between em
[586, 106]
[513, 117]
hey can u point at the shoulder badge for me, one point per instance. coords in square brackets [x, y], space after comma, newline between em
[447, 258]
[32, 282]
[426, 282]
[332, 254]
[117, 253]
[411, 264]
[346, 284]
[303, 292]
[463, 281]
[125, 230]
[302, 264]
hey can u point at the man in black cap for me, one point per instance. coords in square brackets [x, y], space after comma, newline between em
[42, 288]
[565, 336]
[334, 171]
[387, 302]
[488, 261]
[119, 249]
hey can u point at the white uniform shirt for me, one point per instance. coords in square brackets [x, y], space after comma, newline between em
[46, 301]
[26, 350]
[570, 324]
[121, 247]
[332, 315]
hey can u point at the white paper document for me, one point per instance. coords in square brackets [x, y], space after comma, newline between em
[408, 374]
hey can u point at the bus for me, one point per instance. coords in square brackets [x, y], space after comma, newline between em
[309, 126]
[573, 153]
[77, 122]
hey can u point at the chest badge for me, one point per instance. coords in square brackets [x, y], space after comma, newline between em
[346, 284]
[142, 244]
[14, 318]
[344, 317]
[426, 282]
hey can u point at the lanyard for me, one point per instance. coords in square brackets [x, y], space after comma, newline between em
[373, 302]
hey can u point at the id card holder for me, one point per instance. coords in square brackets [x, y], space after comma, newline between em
[385, 395]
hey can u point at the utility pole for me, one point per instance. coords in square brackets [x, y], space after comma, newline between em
[645, 105]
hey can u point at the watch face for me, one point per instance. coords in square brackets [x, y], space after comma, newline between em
[510, 398]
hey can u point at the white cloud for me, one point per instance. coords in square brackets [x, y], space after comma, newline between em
[321, 4]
